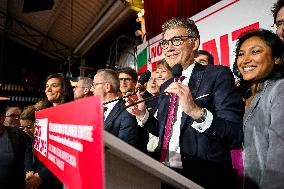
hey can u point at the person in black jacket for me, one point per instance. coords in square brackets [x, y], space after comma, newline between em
[15, 157]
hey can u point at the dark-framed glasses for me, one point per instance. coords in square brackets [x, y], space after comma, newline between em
[278, 24]
[26, 127]
[95, 84]
[176, 41]
[125, 79]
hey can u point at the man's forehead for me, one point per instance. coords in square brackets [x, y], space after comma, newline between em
[98, 75]
[124, 75]
[202, 56]
[80, 82]
[280, 14]
[175, 30]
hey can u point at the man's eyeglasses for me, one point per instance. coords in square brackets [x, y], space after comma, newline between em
[125, 79]
[95, 84]
[176, 41]
[26, 127]
[278, 24]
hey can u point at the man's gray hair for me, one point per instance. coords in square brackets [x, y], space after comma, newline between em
[186, 23]
[111, 77]
[87, 82]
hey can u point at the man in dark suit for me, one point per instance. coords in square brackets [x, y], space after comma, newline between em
[209, 114]
[15, 157]
[116, 121]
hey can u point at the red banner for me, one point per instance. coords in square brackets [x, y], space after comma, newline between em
[68, 140]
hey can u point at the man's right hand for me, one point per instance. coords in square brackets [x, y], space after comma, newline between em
[138, 110]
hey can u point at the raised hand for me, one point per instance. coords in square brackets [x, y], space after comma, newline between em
[185, 99]
[138, 110]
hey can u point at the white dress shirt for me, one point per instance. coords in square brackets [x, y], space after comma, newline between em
[109, 106]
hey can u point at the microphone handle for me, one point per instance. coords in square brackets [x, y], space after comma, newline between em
[119, 98]
[146, 99]
[107, 127]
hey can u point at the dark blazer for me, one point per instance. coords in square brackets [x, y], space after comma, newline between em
[122, 124]
[206, 156]
[22, 158]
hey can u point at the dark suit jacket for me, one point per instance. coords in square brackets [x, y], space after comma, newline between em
[22, 158]
[206, 156]
[122, 124]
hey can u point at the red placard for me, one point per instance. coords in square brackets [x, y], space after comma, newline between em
[68, 140]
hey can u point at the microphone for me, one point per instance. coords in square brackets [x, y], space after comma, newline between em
[177, 71]
[144, 78]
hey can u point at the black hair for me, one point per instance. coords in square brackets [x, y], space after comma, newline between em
[129, 71]
[276, 8]
[67, 89]
[204, 52]
[277, 48]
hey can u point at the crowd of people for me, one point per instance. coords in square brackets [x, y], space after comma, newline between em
[192, 129]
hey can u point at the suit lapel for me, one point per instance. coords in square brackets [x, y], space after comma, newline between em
[254, 103]
[112, 115]
[165, 99]
[193, 84]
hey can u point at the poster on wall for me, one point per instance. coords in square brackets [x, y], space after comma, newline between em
[68, 140]
[220, 26]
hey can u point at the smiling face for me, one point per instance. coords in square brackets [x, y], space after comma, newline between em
[254, 59]
[182, 54]
[162, 75]
[53, 90]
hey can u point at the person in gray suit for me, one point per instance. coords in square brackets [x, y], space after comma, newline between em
[259, 67]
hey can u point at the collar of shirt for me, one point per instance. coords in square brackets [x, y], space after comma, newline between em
[187, 73]
[109, 108]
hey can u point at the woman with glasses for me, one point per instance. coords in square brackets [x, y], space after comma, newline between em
[259, 67]
[27, 120]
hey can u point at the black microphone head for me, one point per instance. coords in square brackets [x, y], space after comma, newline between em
[144, 78]
[177, 70]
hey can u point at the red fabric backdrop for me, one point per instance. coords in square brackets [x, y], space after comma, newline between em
[158, 11]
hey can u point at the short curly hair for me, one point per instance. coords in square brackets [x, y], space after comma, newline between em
[186, 23]
[276, 8]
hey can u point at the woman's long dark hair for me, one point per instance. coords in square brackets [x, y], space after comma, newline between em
[67, 90]
[277, 49]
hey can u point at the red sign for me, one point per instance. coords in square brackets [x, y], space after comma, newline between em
[68, 140]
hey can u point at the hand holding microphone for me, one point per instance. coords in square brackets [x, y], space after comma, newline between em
[183, 92]
[144, 78]
[135, 104]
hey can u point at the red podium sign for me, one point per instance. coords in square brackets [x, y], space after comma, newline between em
[68, 140]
